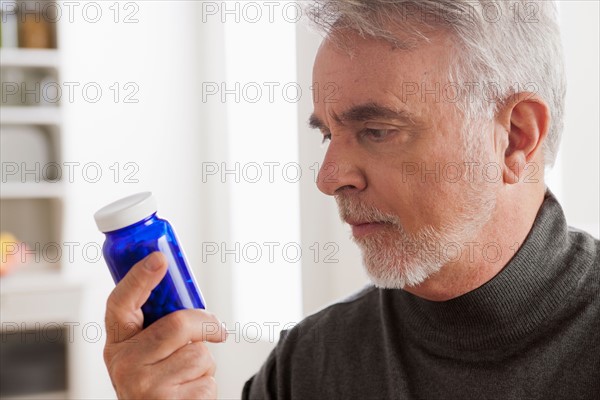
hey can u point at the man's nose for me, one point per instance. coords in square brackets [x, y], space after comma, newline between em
[340, 170]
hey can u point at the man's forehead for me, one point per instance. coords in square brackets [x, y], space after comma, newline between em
[381, 77]
[366, 55]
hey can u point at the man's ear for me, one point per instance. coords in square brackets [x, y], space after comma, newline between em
[521, 127]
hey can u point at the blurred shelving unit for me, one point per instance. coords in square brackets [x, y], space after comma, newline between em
[37, 300]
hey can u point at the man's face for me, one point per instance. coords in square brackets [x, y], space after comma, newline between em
[397, 160]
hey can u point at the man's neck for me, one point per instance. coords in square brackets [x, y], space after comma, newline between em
[486, 255]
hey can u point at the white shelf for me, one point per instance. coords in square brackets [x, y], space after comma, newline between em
[30, 115]
[34, 277]
[31, 190]
[33, 58]
[36, 294]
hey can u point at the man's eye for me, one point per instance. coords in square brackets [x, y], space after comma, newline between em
[376, 135]
[326, 138]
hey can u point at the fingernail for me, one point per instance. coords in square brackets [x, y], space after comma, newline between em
[153, 262]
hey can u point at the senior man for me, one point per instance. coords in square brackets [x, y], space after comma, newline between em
[445, 114]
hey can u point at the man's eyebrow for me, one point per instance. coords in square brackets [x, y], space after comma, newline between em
[365, 112]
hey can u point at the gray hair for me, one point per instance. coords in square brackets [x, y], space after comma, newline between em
[507, 46]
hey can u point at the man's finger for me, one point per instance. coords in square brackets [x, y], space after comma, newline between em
[188, 363]
[123, 309]
[176, 330]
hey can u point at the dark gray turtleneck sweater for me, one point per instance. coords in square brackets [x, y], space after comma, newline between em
[532, 332]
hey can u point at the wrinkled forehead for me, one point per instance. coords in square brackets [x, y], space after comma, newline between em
[357, 66]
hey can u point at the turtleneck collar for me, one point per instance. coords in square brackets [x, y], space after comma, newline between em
[524, 294]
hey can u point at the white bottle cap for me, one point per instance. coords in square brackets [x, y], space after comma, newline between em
[125, 212]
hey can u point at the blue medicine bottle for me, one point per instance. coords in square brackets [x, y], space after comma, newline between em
[133, 230]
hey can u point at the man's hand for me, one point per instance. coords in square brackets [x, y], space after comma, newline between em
[168, 359]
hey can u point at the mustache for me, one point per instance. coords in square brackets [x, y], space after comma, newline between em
[351, 208]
